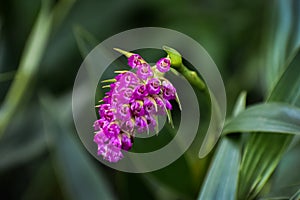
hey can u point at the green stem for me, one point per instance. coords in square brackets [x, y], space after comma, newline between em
[190, 75]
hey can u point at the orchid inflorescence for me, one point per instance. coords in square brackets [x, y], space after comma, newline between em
[132, 105]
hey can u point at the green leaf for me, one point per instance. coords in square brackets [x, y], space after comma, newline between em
[282, 45]
[296, 196]
[240, 104]
[6, 76]
[45, 182]
[28, 66]
[263, 151]
[284, 181]
[22, 143]
[222, 179]
[79, 177]
[85, 40]
[268, 117]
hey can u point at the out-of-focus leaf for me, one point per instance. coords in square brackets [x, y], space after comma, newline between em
[269, 117]
[85, 40]
[222, 179]
[61, 11]
[285, 181]
[24, 140]
[263, 151]
[183, 188]
[240, 104]
[296, 196]
[6, 76]
[283, 38]
[45, 182]
[79, 177]
[29, 63]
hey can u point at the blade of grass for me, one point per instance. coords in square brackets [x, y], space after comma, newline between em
[31, 57]
[268, 117]
[279, 45]
[222, 179]
[296, 196]
[79, 177]
[30, 60]
[85, 40]
[263, 151]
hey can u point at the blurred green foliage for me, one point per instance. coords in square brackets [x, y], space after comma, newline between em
[41, 156]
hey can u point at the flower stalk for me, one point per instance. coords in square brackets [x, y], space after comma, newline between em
[177, 64]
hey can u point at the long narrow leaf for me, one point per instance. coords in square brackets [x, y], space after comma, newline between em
[28, 65]
[263, 151]
[269, 117]
[79, 177]
[222, 179]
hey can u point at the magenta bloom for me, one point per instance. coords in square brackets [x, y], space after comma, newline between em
[128, 126]
[137, 108]
[169, 90]
[163, 65]
[108, 148]
[149, 105]
[144, 71]
[123, 112]
[131, 106]
[135, 61]
[140, 92]
[126, 142]
[153, 86]
[111, 130]
[151, 122]
[141, 124]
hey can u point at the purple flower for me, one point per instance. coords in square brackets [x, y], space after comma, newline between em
[149, 105]
[100, 138]
[135, 61]
[144, 71]
[140, 92]
[123, 112]
[169, 91]
[153, 86]
[160, 105]
[151, 122]
[163, 65]
[109, 115]
[112, 130]
[115, 141]
[103, 108]
[137, 108]
[128, 126]
[132, 105]
[100, 124]
[108, 148]
[113, 153]
[126, 142]
[119, 76]
[128, 78]
[141, 123]
[126, 95]
[168, 105]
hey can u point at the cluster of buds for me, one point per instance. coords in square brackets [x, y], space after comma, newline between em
[132, 105]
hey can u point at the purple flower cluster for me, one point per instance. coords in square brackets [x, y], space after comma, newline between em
[132, 105]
